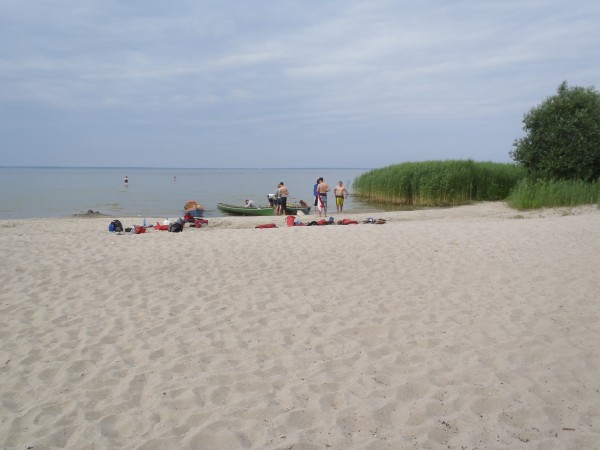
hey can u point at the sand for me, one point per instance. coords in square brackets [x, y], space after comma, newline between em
[475, 327]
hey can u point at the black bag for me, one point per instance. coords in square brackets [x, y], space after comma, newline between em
[176, 227]
[116, 226]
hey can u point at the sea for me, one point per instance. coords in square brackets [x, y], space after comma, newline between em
[57, 192]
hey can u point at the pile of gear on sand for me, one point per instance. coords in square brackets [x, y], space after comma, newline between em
[171, 225]
[293, 221]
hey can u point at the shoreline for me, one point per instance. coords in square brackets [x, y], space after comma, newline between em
[472, 326]
[483, 210]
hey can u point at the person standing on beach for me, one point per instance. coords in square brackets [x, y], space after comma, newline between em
[283, 195]
[341, 193]
[316, 193]
[323, 189]
[126, 180]
[277, 199]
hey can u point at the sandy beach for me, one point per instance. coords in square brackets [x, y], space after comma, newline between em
[475, 327]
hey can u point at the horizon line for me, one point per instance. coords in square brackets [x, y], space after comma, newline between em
[183, 168]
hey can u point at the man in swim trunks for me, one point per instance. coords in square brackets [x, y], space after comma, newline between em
[283, 195]
[323, 189]
[341, 193]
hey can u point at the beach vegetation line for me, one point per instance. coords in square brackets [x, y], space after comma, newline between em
[438, 183]
[532, 193]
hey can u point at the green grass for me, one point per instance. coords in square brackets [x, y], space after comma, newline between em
[438, 183]
[533, 194]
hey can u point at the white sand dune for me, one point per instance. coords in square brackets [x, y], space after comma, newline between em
[470, 327]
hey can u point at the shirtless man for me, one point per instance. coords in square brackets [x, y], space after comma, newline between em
[323, 189]
[283, 195]
[341, 193]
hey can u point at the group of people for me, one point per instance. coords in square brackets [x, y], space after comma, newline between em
[278, 200]
[320, 190]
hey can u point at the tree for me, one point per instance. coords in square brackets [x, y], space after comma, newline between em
[562, 135]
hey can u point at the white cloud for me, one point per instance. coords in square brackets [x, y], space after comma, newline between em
[334, 68]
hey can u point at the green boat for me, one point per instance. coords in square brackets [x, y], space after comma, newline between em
[291, 210]
[246, 211]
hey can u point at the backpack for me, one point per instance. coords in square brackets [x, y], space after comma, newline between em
[116, 226]
[176, 227]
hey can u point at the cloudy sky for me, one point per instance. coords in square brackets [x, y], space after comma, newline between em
[282, 83]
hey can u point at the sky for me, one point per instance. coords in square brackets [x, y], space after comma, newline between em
[282, 83]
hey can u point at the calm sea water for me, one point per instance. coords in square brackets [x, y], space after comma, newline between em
[62, 192]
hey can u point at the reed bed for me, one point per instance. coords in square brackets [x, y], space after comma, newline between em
[438, 183]
[533, 194]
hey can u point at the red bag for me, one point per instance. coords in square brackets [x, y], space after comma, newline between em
[266, 225]
[290, 220]
[161, 227]
[140, 230]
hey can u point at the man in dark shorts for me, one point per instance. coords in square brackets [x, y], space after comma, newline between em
[277, 199]
[283, 195]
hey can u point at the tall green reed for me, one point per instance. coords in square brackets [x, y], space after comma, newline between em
[543, 193]
[438, 183]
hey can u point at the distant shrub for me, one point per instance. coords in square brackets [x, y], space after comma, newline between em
[562, 138]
